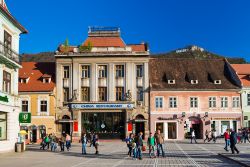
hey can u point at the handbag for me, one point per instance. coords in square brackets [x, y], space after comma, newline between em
[144, 148]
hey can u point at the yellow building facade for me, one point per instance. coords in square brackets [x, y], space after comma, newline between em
[37, 94]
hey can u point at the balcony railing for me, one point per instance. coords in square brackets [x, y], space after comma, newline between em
[9, 53]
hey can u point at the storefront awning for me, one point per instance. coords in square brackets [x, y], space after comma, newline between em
[64, 121]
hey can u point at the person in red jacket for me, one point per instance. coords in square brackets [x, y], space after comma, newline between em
[227, 139]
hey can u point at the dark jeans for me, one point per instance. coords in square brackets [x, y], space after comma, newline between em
[62, 146]
[160, 149]
[207, 138]
[129, 151]
[234, 148]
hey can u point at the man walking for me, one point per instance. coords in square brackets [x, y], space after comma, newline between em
[139, 144]
[193, 137]
[84, 143]
[207, 136]
[159, 143]
[233, 142]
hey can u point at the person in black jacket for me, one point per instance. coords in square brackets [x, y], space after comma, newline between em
[139, 144]
[233, 141]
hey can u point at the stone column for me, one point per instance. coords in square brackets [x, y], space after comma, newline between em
[111, 82]
[93, 82]
[76, 79]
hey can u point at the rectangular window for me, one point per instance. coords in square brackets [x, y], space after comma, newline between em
[212, 102]
[193, 102]
[43, 106]
[85, 71]
[66, 94]
[3, 126]
[6, 82]
[102, 94]
[25, 106]
[224, 102]
[7, 42]
[158, 102]
[172, 102]
[140, 94]
[139, 71]
[65, 71]
[119, 93]
[102, 71]
[85, 94]
[248, 99]
[236, 102]
[119, 69]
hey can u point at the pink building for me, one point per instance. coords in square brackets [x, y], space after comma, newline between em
[188, 94]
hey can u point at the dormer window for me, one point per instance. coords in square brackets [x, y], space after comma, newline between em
[171, 81]
[46, 78]
[217, 82]
[194, 81]
[24, 80]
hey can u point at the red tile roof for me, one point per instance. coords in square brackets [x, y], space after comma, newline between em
[243, 71]
[241, 68]
[105, 42]
[35, 70]
[138, 47]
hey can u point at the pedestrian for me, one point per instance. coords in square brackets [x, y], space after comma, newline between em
[193, 136]
[47, 141]
[227, 139]
[129, 144]
[91, 138]
[96, 143]
[247, 136]
[134, 147]
[139, 144]
[68, 142]
[84, 143]
[62, 142]
[53, 142]
[214, 135]
[43, 144]
[207, 136]
[233, 142]
[151, 145]
[159, 143]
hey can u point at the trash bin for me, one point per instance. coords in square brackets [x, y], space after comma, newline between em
[22, 146]
[18, 148]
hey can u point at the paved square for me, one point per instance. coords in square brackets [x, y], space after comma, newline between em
[113, 154]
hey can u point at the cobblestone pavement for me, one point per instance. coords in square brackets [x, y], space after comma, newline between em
[113, 154]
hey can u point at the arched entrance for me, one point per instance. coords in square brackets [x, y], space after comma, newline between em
[66, 125]
[33, 134]
[197, 126]
[140, 124]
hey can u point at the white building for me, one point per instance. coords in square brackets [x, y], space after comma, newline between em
[243, 72]
[10, 31]
[106, 82]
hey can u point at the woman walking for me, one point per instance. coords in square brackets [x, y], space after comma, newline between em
[68, 142]
[96, 144]
[129, 144]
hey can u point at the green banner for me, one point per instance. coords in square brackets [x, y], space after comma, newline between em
[25, 117]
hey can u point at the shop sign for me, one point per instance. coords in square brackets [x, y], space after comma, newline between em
[102, 106]
[162, 118]
[4, 99]
[25, 117]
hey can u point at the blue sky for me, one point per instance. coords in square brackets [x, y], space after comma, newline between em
[220, 26]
